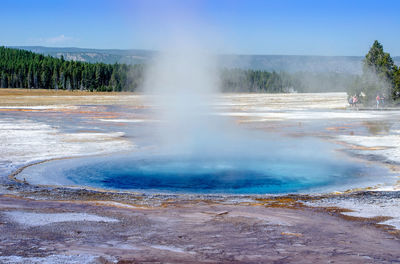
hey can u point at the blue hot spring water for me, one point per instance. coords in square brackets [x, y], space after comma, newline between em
[211, 175]
[206, 176]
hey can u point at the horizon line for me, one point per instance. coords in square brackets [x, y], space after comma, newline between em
[151, 50]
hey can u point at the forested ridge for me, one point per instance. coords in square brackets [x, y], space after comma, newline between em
[25, 69]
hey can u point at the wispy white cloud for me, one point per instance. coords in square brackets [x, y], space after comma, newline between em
[58, 39]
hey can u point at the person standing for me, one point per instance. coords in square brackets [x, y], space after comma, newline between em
[355, 100]
[377, 101]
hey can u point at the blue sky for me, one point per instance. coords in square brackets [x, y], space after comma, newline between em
[295, 27]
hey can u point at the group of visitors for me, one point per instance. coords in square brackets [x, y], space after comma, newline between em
[353, 100]
[380, 101]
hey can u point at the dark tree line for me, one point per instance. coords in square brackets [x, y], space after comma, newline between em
[238, 80]
[25, 69]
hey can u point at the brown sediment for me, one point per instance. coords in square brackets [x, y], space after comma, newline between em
[19, 110]
[50, 92]
[337, 128]
[291, 234]
[35, 97]
[280, 202]
[369, 148]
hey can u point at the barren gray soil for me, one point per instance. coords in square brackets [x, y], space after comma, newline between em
[195, 232]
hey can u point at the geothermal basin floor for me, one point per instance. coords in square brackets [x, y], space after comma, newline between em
[50, 224]
[185, 232]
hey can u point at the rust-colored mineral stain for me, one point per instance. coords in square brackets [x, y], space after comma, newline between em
[291, 234]
[280, 202]
[336, 128]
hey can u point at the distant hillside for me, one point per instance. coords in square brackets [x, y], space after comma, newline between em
[109, 56]
[26, 69]
[290, 63]
[286, 63]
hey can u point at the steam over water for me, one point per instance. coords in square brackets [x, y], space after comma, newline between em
[281, 171]
[194, 150]
[183, 83]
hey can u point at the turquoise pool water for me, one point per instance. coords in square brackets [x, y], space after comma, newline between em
[212, 175]
[209, 176]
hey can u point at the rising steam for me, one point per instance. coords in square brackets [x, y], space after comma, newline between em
[183, 82]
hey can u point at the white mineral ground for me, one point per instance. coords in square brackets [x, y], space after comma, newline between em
[26, 140]
[39, 219]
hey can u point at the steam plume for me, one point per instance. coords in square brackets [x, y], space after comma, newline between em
[183, 81]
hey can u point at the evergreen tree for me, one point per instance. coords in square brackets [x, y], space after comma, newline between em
[113, 81]
[378, 73]
[396, 81]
